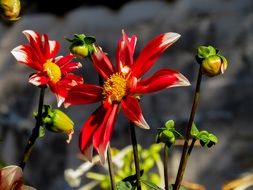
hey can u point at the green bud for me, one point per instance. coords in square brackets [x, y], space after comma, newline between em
[10, 9]
[57, 121]
[212, 63]
[82, 46]
[166, 137]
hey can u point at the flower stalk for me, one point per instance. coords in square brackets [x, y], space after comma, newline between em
[186, 152]
[35, 131]
[111, 168]
[135, 152]
[165, 165]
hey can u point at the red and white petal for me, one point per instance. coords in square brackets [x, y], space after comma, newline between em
[9, 176]
[39, 79]
[87, 132]
[71, 80]
[60, 91]
[54, 47]
[102, 64]
[30, 34]
[125, 51]
[62, 60]
[69, 67]
[84, 94]
[165, 78]
[151, 52]
[103, 134]
[133, 112]
[25, 55]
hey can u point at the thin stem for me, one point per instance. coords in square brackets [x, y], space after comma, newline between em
[165, 165]
[111, 168]
[35, 131]
[184, 157]
[136, 157]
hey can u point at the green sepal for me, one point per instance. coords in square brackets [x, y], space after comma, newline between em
[206, 51]
[150, 185]
[42, 131]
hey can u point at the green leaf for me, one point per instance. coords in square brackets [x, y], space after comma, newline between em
[194, 130]
[151, 185]
[42, 132]
[124, 185]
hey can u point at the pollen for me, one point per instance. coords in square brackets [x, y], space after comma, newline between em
[115, 87]
[53, 71]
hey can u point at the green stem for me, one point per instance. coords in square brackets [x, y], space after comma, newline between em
[35, 131]
[111, 168]
[184, 157]
[165, 165]
[135, 152]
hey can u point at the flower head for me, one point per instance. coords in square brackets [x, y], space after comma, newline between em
[11, 178]
[55, 72]
[122, 85]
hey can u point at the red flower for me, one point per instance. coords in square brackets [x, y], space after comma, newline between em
[11, 179]
[53, 71]
[121, 87]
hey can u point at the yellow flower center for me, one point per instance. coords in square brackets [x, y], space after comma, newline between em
[115, 87]
[53, 71]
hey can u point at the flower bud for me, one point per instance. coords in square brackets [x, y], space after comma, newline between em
[82, 46]
[212, 63]
[10, 9]
[166, 137]
[57, 121]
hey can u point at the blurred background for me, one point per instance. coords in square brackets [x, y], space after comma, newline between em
[226, 103]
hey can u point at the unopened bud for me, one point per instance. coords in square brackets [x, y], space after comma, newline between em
[57, 121]
[82, 46]
[10, 9]
[212, 63]
[166, 137]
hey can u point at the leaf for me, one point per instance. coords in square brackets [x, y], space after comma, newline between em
[42, 132]
[150, 184]
[194, 130]
[124, 185]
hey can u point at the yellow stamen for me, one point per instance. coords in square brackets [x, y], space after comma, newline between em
[53, 71]
[115, 87]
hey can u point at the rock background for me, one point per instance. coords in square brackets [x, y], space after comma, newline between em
[226, 103]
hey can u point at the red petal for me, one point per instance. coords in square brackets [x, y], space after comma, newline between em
[103, 134]
[165, 78]
[39, 79]
[151, 52]
[88, 130]
[102, 63]
[133, 112]
[84, 94]
[125, 51]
